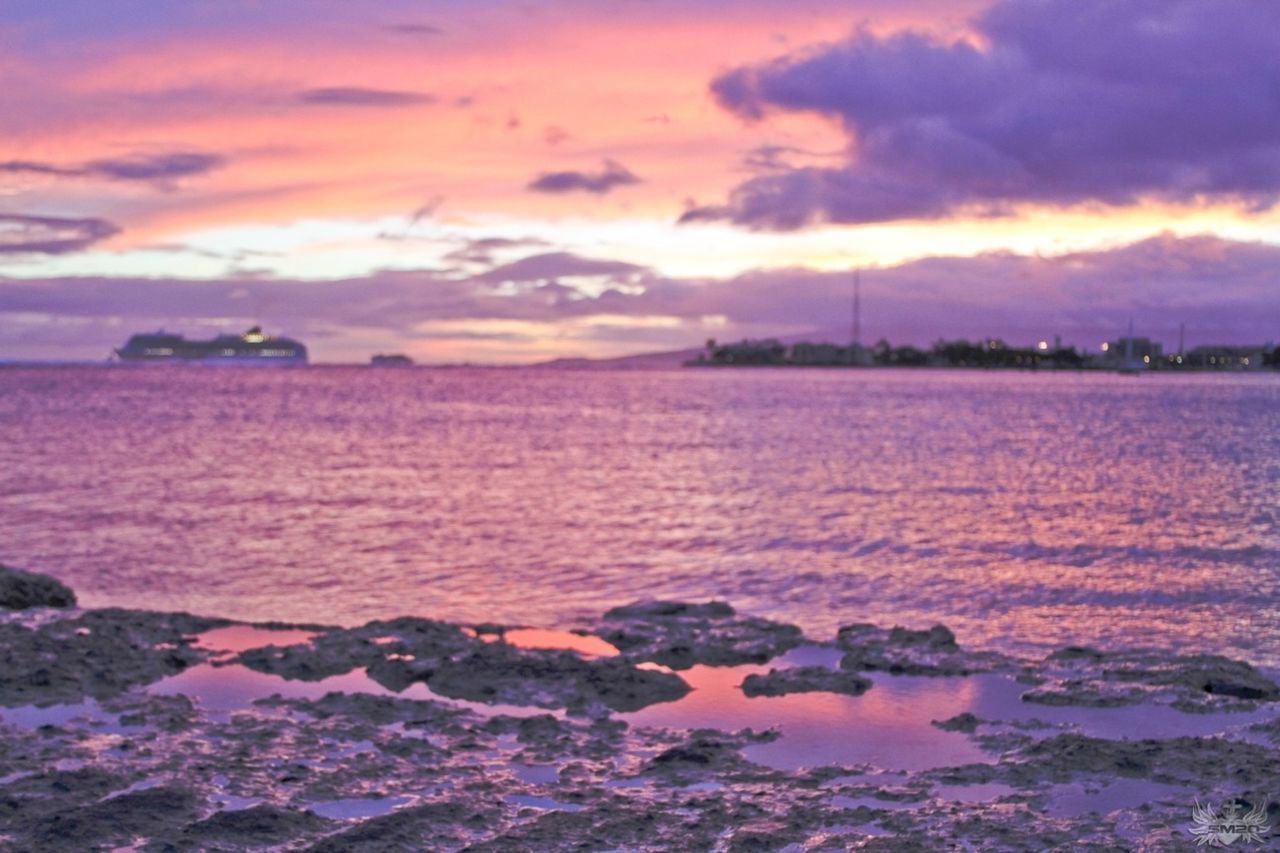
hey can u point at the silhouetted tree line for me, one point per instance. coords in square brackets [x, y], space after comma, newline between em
[990, 353]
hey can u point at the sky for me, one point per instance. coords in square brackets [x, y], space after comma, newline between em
[495, 182]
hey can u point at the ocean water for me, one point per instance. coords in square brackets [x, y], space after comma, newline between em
[1026, 511]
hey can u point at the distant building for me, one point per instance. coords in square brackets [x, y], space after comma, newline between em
[1132, 353]
[1228, 357]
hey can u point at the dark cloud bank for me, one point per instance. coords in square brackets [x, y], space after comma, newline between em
[1065, 102]
[355, 96]
[50, 235]
[1224, 291]
[147, 168]
[610, 176]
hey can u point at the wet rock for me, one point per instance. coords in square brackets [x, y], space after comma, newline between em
[20, 590]
[964, 722]
[615, 821]
[379, 710]
[679, 635]
[432, 826]
[336, 651]
[112, 822]
[257, 826]
[49, 792]
[167, 713]
[805, 679]
[499, 673]
[1078, 675]
[901, 651]
[703, 752]
[1270, 729]
[99, 654]
[1193, 761]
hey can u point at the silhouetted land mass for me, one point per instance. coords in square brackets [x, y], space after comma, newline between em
[1124, 354]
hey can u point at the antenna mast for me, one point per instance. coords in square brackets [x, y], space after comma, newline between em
[857, 307]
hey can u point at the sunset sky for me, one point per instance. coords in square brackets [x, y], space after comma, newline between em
[512, 182]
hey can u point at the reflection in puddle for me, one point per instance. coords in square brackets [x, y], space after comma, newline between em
[539, 638]
[360, 807]
[999, 697]
[234, 688]
[234, 639]
[809, 656]
[537, 774]
[32, 716]
[1079, 799]
[223, 689]
[888, 726]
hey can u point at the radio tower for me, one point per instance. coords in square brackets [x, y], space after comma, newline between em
[857, 308]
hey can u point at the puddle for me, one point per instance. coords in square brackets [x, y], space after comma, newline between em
[234, 639]
[825, 656]
[888, 726]
[235, 688]
[32, 716]
[224, 689]
[141, 785]
[537, 774]
[539, 638]
[631, 782]
[976, 793]
[357, 807]
[999, 697]
[232, 803]
[1078, 799]
[527, 801]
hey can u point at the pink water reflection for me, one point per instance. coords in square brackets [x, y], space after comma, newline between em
[888, 726]
[234, 639]
[540, 638]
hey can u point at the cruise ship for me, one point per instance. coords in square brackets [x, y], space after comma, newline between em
[253, 348]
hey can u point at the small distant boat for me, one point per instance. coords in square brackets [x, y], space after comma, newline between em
[253, 348]
[392, 360]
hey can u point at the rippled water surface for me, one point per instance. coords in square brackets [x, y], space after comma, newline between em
[1023, 510]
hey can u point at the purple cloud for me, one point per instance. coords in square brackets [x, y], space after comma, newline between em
[355, 96]
[612, 175]
[414, 29]
[154, 168]
[1065, 102]
[50, 235]
[553, 265]
[1223, 290]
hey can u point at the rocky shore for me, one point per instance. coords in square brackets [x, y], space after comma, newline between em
[161, 731]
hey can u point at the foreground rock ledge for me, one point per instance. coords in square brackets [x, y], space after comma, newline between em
[356, 771]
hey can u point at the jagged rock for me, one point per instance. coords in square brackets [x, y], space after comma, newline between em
[101, 653]
[964, 722]
[335, 651]
[499, 673]
[1078, 675]
[20, 590]
[679, 634]
[254, 827]
[805, 679]
[901, 651]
